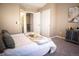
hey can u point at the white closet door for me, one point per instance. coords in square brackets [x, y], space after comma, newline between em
[45, 22]
[36, 22]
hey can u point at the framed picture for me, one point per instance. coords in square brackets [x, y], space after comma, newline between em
[73, 14]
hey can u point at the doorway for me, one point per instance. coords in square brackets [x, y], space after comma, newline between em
[29, 22]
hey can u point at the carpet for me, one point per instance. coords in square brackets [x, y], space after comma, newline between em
[64, 48]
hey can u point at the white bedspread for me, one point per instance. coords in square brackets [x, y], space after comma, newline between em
[25, 47]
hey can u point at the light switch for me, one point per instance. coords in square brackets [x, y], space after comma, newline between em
[16, 22]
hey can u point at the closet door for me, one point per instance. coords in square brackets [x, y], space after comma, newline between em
[36, 22]
[45, 22]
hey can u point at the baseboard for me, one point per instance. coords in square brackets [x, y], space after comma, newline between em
[58, 37]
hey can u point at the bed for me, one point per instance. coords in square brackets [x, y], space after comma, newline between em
[27, 47]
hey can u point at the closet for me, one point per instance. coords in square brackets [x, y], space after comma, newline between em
[41, 22]
[45, 23]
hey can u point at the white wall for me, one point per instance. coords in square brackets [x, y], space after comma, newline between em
[9, 15]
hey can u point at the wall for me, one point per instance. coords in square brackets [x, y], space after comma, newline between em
[52, 8]
[59, 18]
[9, 17]
[62, 18]
[0, 19]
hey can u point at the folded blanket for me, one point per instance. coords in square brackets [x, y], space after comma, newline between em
[42, 40]
[37, 38]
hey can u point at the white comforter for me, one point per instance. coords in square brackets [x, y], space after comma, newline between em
[26, 47]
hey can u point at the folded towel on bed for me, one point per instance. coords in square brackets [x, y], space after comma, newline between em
[37, 38]
[42, 40]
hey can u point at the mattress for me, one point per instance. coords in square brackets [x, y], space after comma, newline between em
[26, 47]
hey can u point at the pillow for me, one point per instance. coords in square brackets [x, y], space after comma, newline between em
[5, 31]
[8, 40]
[2, 46]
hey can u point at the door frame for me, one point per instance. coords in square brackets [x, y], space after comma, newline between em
[23, 21]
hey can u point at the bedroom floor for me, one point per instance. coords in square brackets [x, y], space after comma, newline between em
[64, 48]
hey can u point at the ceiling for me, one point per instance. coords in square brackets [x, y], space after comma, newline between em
[32, 6]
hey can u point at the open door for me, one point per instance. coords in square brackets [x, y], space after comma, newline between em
[36, 22]
[23, 21]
